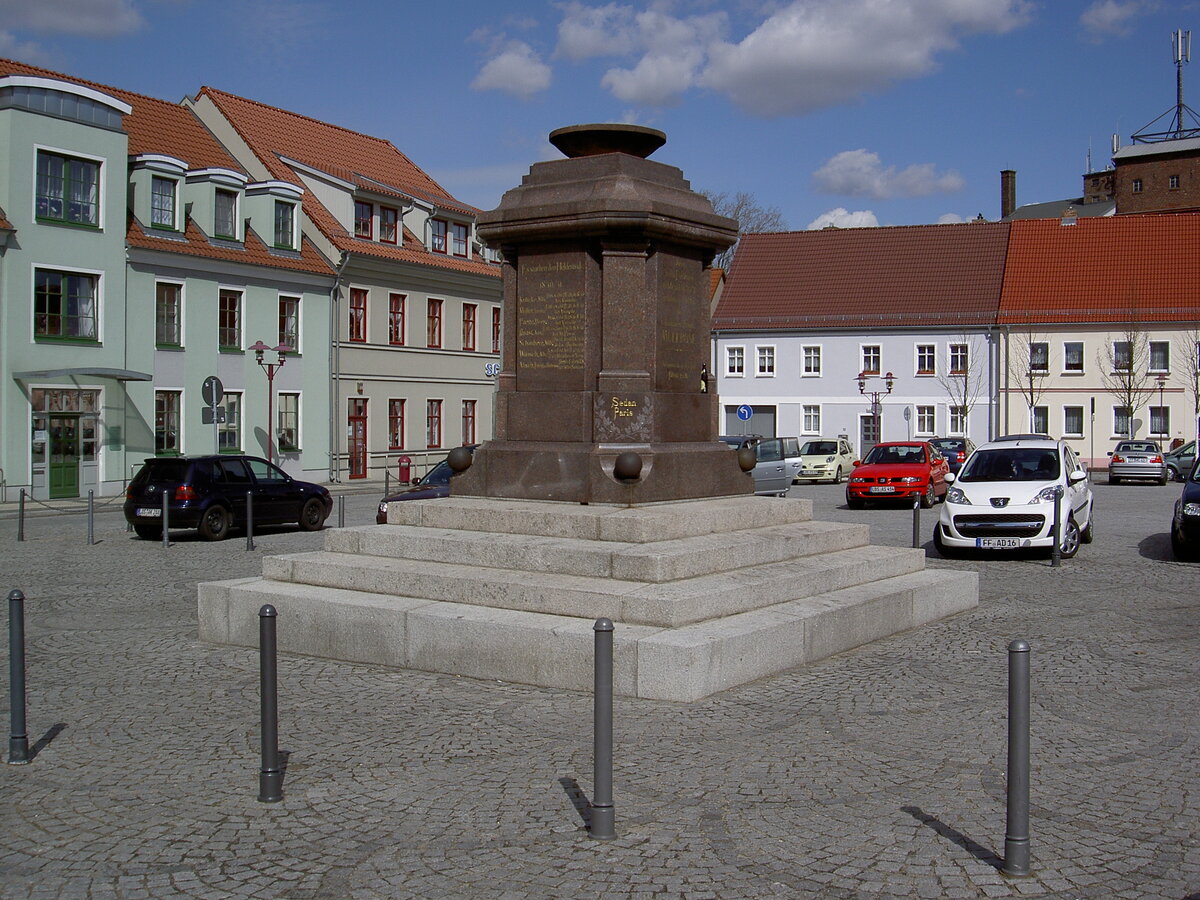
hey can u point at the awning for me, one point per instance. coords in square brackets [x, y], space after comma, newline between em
[84, 372]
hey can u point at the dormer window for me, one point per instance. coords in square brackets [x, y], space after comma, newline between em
[68, 189]
[163, 192]
[388, 217]
[437, 235]
[225, 215]
[362, 219]
[285, 225]
[458, 236]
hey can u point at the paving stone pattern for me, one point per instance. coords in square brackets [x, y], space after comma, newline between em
[878, 773]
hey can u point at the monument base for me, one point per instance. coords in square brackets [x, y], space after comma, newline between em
[705, 594]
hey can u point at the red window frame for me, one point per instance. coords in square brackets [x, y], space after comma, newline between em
[468, 335]
[458, 239]
[388, 217]
[433, 324]
[433, 424]
[468, 422]
[396, 424]
[396, 304]
[437, 235]
[363, 212]
[358, 315]
[495, 329]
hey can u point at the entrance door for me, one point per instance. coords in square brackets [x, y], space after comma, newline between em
[868, 435]
[64, 456]
[356, 444]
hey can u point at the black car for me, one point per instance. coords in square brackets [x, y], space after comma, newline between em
[1185, 525]
[208, 493]
[436, 483]
[956, 450]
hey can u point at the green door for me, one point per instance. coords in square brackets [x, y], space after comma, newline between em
[64, 456]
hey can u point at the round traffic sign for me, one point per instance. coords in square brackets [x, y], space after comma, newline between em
[212, 390]
[745, 412]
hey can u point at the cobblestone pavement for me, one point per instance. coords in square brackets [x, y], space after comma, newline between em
[878, 773]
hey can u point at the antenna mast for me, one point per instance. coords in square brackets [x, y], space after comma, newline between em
[1184, 121]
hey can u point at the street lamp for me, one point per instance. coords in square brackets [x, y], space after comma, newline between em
[1162, 413]
[282, 350]
[876, 407]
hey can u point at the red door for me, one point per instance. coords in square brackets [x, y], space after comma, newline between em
[357, 438]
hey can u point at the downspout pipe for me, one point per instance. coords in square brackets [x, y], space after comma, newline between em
[335, 371]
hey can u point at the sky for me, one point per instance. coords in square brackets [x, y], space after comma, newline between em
[845, 112]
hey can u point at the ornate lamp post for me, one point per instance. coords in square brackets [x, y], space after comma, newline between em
[876, 407]
[282, 350]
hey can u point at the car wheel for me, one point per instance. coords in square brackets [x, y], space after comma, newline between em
[928, 498]
[1182, 551]
[939, 545]
[312, 515]
[1068, 544]
[214, 525]
[148, 532]
[1113, 479]
[837, 476]
[1173, 473]
[1163, 479]
[853, 502]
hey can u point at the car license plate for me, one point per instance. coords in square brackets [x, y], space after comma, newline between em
[883, 489]
[149, 512]
[1005, 543]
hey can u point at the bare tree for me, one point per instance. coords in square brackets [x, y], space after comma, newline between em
[964, 375]
[750, 217]
[1125, 370]
[1187, 345]
[1029, 366]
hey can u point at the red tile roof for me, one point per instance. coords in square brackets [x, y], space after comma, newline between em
[1142, 268]
[948, 275]
[154, 126]
[194, 242]
[5, 225]
[369, 163]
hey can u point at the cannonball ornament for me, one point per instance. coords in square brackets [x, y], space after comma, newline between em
[459, 459]
[627, 467]
[747, 458]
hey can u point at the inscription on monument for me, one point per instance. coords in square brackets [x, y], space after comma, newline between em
[550, 310]
[623, 417]
[682, 309]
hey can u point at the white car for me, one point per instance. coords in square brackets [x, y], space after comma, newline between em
[1003, 499]
[825, 459]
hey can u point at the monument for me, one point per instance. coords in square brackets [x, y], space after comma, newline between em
[604, 491]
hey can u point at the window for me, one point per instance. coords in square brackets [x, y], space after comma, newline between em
[229, 432]
[362, 219]
[926, 420]
[285, 225]
[468, 422]
[358, 315]
[1160, 421]
[468, 333]
[1160, 356]
[388, 217]
[735, 361]
[1039, 420]
[437, 235]
[229, 320]
[495, 329]
[162, 203]
[225, 215]
[64, 305]
[396, 319]
[433, 324]
[167, 314]
[1122, 356]
[1122, 420]
[958, 420]
[959, 359]
[396, 424]
[812, 419]
[1039, 357]
[433, 424]
[1073, 356]
[1173, 182]
[926, 359]
[811, 361]
[289, 323]
[458, 238]
[870, 359]
[1073, 421]
[288, 436]
[68, 189]
[166, 422]
[766, 361]
[1137, 185]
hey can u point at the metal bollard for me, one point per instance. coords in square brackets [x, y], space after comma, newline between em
[341, 510]
[1016, 834]
[91, 512]
[18, 741]
[249, 520]
[21, 516]
[602, 734]
[1056, 550]
[916, 522]
[166, 521]
[270, 777]
[387, 483]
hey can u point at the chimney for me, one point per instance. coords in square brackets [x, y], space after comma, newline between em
[1008, 192]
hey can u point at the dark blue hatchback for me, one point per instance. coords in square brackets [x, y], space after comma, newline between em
[1185, 524]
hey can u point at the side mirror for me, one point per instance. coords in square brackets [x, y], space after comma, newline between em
[857, 463]
[1077, 476]
[1110, 453]
[951, 478]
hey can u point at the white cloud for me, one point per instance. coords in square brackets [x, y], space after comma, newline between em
[91, 18]
[516, 69]
[25, 51]
[1106, 18]
[859, 173]
[587, 31]
[812, 54]
[843, 218]
[950, 219]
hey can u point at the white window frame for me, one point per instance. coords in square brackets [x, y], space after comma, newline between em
[1150, 357]
[237, 220]
[241, 322]
[1044, 370]
[1165, 413]
[181, 286]
[959, 417]
[295, 349]
[292, 243]
[958, 348]
[764, 361]
[730, 352]
[299, 395]
[174, 183]
[818, 351]
[1082, 358]
[98, 274]
[1112, 362]
[926, 411]
[810, 412]
[1118, 413]
[179, 449]
[238, 427]
[917, 370]
[1066, 431]
[100, 186]
[862, 358]
[1033, 419]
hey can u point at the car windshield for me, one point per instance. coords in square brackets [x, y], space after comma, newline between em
[163, 470]
[944, 445]
[1137, 447]
[896, 453]
[815, 448]
[1012, 464]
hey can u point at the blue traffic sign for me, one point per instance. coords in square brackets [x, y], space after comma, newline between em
[745, 412]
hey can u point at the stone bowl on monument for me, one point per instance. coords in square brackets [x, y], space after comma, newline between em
[607, 330]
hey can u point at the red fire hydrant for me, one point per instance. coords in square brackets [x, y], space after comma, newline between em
[404, 465]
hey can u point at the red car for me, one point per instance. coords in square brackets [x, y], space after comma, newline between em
[898, 470]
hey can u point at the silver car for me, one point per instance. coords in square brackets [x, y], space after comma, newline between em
[1137, 459]
[1179, 461]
